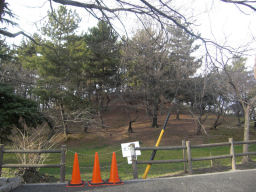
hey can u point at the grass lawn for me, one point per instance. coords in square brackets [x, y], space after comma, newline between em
[86, 160]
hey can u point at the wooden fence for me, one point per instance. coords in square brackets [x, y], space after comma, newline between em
[62, 152]
[187, 157]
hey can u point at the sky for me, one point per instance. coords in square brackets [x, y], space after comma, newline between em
[215, 20]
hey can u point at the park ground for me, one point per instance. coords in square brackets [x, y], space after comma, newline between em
[106, 141]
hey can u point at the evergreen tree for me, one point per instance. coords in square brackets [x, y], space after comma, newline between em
[103, 65]
[59, 61]
[14, 107]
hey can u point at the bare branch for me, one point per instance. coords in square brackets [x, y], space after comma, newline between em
[13, 35]
[93, 6]
[247, 4]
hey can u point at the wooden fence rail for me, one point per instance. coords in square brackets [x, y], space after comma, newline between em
[62, 164]
[187, 156]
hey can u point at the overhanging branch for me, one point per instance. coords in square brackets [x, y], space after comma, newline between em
[247, 3]
[13, 35]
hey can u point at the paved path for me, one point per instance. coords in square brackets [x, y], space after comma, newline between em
[232, 181]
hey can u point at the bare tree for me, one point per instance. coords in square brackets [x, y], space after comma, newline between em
[243, 85]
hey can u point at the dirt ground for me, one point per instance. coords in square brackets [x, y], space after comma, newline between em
[116, 121]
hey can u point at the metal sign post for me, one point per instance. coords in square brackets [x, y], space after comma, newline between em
[157, 144]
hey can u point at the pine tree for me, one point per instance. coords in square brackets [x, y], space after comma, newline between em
[14, 107]
[103, 65]
[59, 61]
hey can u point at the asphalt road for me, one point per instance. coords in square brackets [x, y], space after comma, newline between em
[232, 181]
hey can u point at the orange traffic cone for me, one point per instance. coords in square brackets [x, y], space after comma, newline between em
[76, 178]
[114, 178]
[96, 178]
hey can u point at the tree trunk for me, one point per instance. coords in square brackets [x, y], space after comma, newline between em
[154, 122]
[63, 118]
[254, 121]
[217, 123]
[199, 128]
[196, 121]
[100, 109]
[130, 130]
[178, 114]
[155, 111]
[101, 120]
[199, 125]
[86, 127]
[246, 131]
[238, 118]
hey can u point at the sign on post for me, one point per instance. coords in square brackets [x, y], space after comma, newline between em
[126, 151]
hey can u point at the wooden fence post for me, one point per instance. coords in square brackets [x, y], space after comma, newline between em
[211, 161]
[184, 155]
[1, 157]
[62, 163]
[232, 152]
[189, 157]
[134, 161]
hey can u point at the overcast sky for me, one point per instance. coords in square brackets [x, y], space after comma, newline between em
[215, 20]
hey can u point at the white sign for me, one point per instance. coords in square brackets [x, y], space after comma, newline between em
[126, 151]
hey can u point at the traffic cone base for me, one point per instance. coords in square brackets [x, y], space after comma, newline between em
[82, 184]
[91, 184]
[116, 183]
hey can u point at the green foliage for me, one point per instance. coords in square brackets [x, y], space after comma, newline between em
[102, 70]
[60, 60]
[4, 52]
[5, 11]
[241, 80]
[182, 46]
[154, 59]
[61, 24]
[157, 64]
[14, 107]
[105, 55]
[238, 64]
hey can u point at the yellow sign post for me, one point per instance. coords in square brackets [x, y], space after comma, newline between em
[157, 144]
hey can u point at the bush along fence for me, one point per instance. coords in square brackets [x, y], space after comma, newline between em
[187, 157]
[61, 151]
